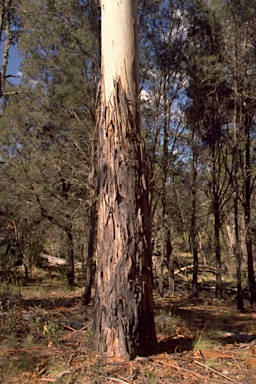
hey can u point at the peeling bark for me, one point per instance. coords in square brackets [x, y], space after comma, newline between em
[123, 313]
[123, 305]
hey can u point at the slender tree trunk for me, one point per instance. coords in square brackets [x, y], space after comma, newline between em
[247, 210]
[89, 263]
[163, 245]
[163, 253]
[123, 305]
[163, 192]
[238, 254]
[170, 262]
[218, 288]
[193, 229]
[215, 192]
[70, 257]
[238, 250]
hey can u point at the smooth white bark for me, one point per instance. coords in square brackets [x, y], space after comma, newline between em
[119, 45]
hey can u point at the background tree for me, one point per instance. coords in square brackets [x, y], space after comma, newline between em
[60, 70]
[163, 43]
[210, 95]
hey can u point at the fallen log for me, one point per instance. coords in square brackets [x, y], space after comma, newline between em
[47, 261]
[190, 267]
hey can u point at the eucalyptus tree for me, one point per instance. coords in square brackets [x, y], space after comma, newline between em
[123, 304]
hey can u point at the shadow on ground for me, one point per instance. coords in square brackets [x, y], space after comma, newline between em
[214, 319]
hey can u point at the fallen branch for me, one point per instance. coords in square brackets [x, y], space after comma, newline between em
[214, 355]
[118, 380]
[19, 350]
[47, 261]
[191, 266]
[176, 366]
[59, 376]
[216, 372]
[75, 330]
[240, 337]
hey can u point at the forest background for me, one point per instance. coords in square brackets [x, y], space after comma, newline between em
[198, 79]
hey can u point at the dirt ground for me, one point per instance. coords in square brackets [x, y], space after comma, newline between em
[46, 337]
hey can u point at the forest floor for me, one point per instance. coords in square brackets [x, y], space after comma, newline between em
[46, 337]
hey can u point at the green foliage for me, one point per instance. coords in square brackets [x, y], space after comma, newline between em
[47, 130]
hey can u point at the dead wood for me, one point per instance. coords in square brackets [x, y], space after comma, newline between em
[59, 376]
[240, 337]
[216, 372]
[177, 366]
[47, 261]
[205, 268]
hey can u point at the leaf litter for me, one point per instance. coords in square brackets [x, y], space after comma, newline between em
[199, 341]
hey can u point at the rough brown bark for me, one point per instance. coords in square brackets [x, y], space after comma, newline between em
[123, 308]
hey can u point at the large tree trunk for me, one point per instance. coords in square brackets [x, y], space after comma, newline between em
[123, 307]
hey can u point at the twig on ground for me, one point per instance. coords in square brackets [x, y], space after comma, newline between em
[216, 372]
[74, 331]
[118, 380]
[239, 366]
[176, 366]
[59, 376]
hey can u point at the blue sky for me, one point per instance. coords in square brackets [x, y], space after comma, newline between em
[14, 65]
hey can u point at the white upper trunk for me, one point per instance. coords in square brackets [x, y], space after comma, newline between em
[119, 58]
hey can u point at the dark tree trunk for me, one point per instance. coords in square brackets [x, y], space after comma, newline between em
[218, 288]
[70, 257]
[235, 175]
[195, 273]
[247, 208]
[193, 229]
[170, 262]
[163, 247]
[238, 254]
[89, 263]
[163, 192]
